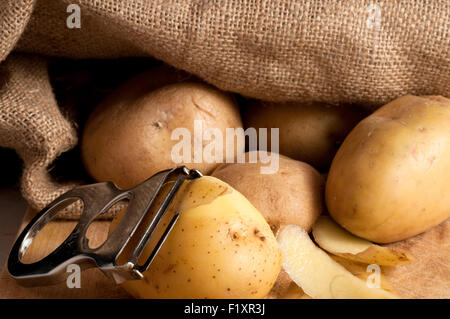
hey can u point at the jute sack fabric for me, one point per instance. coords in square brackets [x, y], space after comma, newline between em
[32, 124]
[363, 52]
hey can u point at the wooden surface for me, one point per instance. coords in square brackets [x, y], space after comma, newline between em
[427, 277]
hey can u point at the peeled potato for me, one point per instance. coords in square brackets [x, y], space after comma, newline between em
[336, 240]
[221, 247]
[317, 273]
[292, 195]
[128, 137]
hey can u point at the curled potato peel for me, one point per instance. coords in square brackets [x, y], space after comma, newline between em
[336, 240]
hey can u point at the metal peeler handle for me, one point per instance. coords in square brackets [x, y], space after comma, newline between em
[97, 199]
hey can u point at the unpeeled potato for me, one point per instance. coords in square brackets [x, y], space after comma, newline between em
[129, 136]
[221, 247]
[291, 195]
[390, 178]
[308, 132]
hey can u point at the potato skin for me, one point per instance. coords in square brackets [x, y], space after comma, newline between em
[221, 247]
[308, 132]
[390, 178]
[293, 195]
[127, 138]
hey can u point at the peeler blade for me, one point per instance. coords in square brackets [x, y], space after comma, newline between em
[97, 199]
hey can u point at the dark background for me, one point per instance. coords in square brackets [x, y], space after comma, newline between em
[12, 205]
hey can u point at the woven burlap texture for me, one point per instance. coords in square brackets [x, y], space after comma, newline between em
[321, 50]
[32, 124]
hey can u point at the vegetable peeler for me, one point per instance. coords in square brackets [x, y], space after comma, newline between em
[97, 199]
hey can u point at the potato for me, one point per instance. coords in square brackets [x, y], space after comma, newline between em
[127, 138]
[390, 178]
[336, 240]
[308, 132]
[317, 273]
[221, 247]
[292, 195]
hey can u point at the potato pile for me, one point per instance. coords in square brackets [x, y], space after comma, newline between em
[345, 180]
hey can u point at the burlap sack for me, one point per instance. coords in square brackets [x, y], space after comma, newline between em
[32, 124]
[364, 52]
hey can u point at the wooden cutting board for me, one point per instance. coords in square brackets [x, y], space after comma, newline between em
[427, 277]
